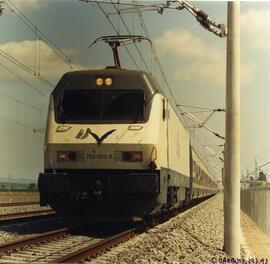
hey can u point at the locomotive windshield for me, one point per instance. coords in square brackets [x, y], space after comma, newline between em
[101, 106]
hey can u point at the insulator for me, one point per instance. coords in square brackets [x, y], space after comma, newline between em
[205, 24]
[202, 14]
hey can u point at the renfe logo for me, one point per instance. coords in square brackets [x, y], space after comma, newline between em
[83, 135]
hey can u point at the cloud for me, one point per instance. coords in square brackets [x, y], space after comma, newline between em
[197, 61]
[202, 72]
[39, 57]
[200, 62]
[211, 73]
[184, 44]
[255, 32]
[33, 5]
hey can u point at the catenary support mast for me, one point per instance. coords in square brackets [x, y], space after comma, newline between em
[232, 146]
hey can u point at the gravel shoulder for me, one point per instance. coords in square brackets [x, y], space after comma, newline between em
[195, 236]
[257, 241]
[15, 197]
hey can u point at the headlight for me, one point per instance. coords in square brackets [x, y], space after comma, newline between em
[108, 81]
[99, 81]
[132, 156]
[66, 156]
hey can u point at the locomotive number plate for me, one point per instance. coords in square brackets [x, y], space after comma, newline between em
[98, 156]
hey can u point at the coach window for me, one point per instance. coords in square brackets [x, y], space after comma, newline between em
[163, 109]
[203, 176]
[194, 168]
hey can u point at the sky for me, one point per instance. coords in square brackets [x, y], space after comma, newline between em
[193, 61]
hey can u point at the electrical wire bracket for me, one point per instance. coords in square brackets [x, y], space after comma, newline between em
[203, 18]
[1, 8]
[205, 21]
[200, 123]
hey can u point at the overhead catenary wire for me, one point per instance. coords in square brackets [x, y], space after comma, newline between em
[153, 50]
[22, 102]
[127, 29]
[121, 3]
[204, 20]
[164, 79]
[200, 15]
[115, 30]
[24, 81]
[198, 107]
[28, 23]
[157, 62]
[199, 122]
[1, 8]
[258, 168]
[25, 68]
[204, 140]
[36, 72]
[159, 7]
[160, 67]
[206, 119]
[199, 140]
[16, 122]
[167, 84]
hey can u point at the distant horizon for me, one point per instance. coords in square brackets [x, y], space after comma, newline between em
[18, 180]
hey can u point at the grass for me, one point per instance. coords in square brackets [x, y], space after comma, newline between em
[17, 187]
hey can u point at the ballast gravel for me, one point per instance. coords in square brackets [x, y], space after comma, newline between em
[8, 236]
[22, 208]
[13, 231]
[195, 236]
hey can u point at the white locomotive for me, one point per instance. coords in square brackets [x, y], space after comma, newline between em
[115, 147]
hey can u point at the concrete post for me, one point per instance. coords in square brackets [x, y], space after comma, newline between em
[232, 146]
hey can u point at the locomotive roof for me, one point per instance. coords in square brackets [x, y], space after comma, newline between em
[122, 79]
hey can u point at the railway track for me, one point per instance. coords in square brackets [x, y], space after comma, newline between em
[94, 250]
[25, 215]
[64, 246]
[46, 247]
[58, 247]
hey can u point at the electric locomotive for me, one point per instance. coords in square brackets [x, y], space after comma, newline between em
[116, 148]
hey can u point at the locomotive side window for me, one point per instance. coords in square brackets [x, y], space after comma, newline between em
[86, 106]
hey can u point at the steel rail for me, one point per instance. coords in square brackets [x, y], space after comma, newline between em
[33, 239]
[25, 214]
[18, 204]
[97, 248]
